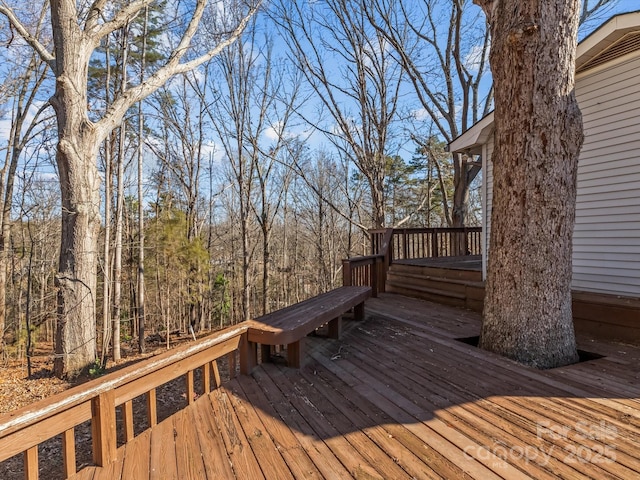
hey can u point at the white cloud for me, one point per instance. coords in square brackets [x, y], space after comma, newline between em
[474, 58]
[420, 114]
[273, 132]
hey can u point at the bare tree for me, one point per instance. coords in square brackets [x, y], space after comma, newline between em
[182, 113]
[538, 135]
[442, 47]
[76, 33]
[253, 105]
[140, 156]
[346, 63]
[119, 230]
[27, 77]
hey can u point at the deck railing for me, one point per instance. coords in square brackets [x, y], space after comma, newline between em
[410, 243]
[23, 430]
[392, 244]
[370, 270]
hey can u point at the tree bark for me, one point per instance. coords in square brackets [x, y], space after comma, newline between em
[76, 152]
[538, 135]
[76, 280]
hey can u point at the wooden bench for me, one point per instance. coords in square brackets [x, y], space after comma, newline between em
[290, 325]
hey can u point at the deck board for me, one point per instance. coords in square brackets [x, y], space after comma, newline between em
[163, 463]
[400, 397]
[214, 454]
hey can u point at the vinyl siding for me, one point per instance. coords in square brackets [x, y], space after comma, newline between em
[606, 241]
[606, 238]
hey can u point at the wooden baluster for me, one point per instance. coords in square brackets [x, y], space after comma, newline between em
[189, 386]
[127, 420]
[206, 378]
[152, 408]
[232, 364]
[103, 428]
[31, 463]
[216, 374]
[434, 244]
[69, 452]
[405, 243]
[414, 243]
[466, 241]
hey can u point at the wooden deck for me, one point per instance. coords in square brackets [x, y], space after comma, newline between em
[400, 397]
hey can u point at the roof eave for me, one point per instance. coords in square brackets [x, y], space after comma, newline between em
[471, 141]
[604, 36]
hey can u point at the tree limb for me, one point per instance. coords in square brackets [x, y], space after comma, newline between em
[114, 114]
[40, 49]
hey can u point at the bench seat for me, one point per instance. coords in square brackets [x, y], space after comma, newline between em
[290, 325]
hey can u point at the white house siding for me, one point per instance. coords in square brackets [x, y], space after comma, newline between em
[606, 242]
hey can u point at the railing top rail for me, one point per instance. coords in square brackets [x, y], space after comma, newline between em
[48, 407]
[436, 229]
[363, 258]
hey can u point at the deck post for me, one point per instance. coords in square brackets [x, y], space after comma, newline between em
[248, 355]
[103, 428]
[374, 276]
[346, 272]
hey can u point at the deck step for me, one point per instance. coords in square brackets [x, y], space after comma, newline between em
[429, 290]
[434, 278]
[431, 271]
[454, 287]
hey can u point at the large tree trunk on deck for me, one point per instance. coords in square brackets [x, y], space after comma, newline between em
[538, 135]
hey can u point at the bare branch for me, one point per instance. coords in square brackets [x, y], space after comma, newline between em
[30, 39]
[118, 108]
[96, 32]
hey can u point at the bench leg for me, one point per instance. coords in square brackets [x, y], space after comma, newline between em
[265, 353]
[358, 311]
[295, 353]
[248, 355]
[335, 328]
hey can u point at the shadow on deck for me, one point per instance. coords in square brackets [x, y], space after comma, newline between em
[399, 397]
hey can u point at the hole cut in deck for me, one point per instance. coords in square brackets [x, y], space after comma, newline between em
[583, 355]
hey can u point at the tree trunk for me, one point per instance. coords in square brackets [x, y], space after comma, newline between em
[106, 285]
[76, 280]
[538, 135]
[117, 261]
[78, 140]
[75, 342]
[141, 236]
